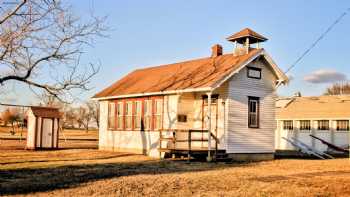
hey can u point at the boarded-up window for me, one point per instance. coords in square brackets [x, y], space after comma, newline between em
[111, 115]
[342, 125]
[305, 124]
[158, 114]
[137, 115]
[128, 115]
[120, 114]
[323, 125]
[288, 125]
[253, 112]
[147, 114]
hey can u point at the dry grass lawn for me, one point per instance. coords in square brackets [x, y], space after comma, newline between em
[67, 133]
[88, 172]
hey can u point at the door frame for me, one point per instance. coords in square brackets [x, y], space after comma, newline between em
[216, 97]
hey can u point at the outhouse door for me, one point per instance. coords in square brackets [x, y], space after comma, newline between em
[47, 140]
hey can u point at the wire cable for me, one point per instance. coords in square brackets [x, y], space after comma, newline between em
[318, 39]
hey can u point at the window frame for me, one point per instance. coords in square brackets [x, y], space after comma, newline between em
[133, 110]
[157, 114]
[128, 115]
[325, 128]
[257, 112]
[288, 127]
[249, 68]
[111, 116]
[147, 115]
[136, 115]
[342, 129]
[120, 115]
[305, 128]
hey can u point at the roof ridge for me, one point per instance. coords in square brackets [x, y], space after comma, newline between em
[181, 62]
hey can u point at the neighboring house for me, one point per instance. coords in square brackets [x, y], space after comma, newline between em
[166, 108]
[326, 117]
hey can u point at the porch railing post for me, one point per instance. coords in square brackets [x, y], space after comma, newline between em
[209, 158]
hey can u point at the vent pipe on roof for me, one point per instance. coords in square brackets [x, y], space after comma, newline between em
[216, 50]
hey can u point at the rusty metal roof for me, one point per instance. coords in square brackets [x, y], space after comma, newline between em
[194, 74]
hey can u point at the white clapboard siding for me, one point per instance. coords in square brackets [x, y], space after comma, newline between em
[136, 141]
[240, 138]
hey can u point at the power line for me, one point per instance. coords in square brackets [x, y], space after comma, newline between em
[319, 39]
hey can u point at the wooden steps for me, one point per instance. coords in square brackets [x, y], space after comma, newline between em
[191, 150]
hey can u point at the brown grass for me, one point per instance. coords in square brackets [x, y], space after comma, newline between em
[87, 172]
[67, 133]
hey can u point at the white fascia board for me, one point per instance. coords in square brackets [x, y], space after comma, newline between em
[280, 74]
[206, 89]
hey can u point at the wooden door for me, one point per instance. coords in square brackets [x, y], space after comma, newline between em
[47, 134]
[214, 114]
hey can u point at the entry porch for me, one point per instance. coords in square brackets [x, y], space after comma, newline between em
[199, 127]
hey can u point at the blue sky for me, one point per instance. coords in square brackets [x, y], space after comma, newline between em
[147, 33]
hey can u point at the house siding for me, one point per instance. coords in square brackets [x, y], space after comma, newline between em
[240, 138]
[141, 142]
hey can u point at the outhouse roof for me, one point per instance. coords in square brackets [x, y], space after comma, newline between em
[48, 112]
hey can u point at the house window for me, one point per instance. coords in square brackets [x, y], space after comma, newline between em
[137, 115]
[128, 115]
[158, 114]
[342, 125]
[305, 124]
[323, 125]
[120, 113]
[111, 115]
[253, 112]
[288, 125]
[147, 114]
[254, 73]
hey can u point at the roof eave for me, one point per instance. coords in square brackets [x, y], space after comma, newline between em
[204, 89]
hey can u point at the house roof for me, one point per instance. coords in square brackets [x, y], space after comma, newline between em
[194, 75]
[240, 36]
[314, 107]
[47, 112]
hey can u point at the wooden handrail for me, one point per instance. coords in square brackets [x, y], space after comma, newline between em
[215, 138]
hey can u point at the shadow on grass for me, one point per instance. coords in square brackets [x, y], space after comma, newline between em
[24, 181]
[63, 160]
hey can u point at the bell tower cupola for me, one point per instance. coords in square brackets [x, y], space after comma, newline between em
[244, 40]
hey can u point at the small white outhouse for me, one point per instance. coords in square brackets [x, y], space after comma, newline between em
[43, 126]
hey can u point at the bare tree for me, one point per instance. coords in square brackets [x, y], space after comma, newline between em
[338, 89]
[11, 116]
[84, 117]
[94, 109]
[69, 118]
[44, 38]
